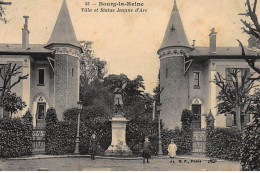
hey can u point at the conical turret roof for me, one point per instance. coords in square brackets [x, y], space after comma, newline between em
[63, 32]
[175, 34]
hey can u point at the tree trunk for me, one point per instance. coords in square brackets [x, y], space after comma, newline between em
[238, 117]
[1, 112]
[1, 109]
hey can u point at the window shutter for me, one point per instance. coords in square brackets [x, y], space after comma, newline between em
[228, 77]
[246, 119]
[247, 71]
[229, 120]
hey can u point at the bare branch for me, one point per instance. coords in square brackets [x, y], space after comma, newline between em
[250, 62]
[5, 3]
[254, 9]
[219, 82]
[253, 15]
[19, 80]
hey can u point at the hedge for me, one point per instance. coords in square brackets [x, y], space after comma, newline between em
[136, 130]
[182, 137]
[179, 139]
[224, 143]
[250, 153]
[16, 136]
[61, 136]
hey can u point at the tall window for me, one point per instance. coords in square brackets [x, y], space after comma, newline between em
[41, 76]
[2, 71]
[196, 79]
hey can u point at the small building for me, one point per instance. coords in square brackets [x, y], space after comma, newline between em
[187, 73]
[53, 69]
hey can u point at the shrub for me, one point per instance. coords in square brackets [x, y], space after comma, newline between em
[250, 153]
[136, 130]
[102, 128]
[137, 149]
[187, 133]
[182, 137]
[223, 143]
[62, 140]
[16, 136]
[61, 136]
[179, 139]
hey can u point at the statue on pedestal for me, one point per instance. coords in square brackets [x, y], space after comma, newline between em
[118, 145]
[118, 99]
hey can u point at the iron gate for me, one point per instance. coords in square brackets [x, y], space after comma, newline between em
[38, 141]
[199, 142]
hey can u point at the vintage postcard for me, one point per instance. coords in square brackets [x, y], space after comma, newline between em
[129, 85]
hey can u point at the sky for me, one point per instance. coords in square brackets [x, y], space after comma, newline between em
[128, 41]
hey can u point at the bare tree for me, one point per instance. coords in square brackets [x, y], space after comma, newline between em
[234, 95]
[252, 28]
[2, 10]
[6, 73]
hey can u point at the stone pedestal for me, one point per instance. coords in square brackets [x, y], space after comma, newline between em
[118, 145]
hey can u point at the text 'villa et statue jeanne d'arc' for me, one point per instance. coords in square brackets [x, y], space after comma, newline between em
[114, 7]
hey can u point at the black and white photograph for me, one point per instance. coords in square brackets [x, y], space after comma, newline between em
[129, 85]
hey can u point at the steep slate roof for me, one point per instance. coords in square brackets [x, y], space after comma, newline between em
[175, 34]
[17, 48]
[63, 32]
[221, 51]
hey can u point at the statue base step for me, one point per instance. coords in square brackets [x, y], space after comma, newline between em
[118, 151]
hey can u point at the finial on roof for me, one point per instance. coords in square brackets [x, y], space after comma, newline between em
[175, 8]
[172, 29]
[175, 34]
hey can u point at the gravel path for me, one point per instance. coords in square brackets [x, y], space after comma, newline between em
[78, 164]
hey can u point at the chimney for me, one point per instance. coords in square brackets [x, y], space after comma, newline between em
[193, 45]
[25, 34]
[212, 41]
[253, 42]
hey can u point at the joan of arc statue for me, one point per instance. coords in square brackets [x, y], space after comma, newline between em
[118, 99]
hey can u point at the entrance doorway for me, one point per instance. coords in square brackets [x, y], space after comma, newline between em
[40, 106]
[40, 115]
[196, 122]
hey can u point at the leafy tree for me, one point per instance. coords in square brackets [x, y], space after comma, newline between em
[13, 103]
[234, 94]
[91, 67]
[6, 73]
[2, 10]
[250, 155]
[135, 101]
